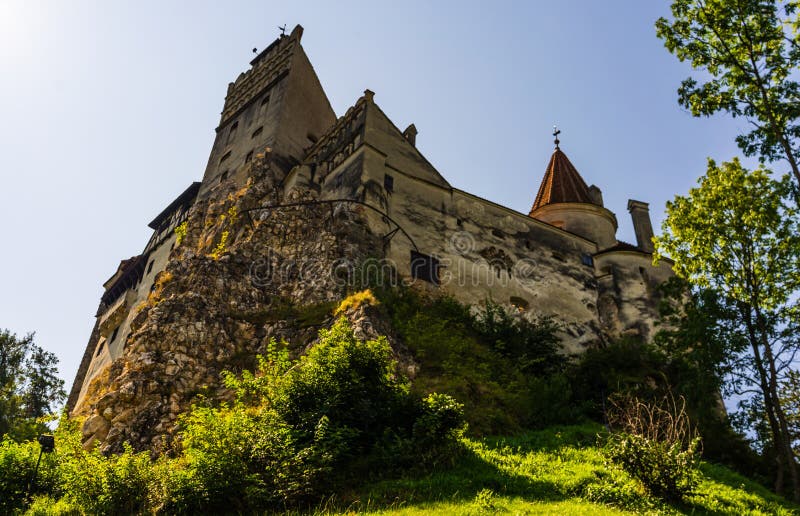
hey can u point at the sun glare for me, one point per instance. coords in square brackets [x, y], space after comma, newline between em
[17, 21]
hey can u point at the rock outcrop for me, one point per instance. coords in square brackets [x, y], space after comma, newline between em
[239, 277]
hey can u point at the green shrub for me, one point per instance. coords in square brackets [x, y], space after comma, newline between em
[44, 505]
[73, 477]
[667, 470]
[532, 345]
[655, 443]
[17, 461]
[298, 431]
[506, 370]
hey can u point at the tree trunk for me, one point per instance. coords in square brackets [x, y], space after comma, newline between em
[786, 443]
[779, 439]
[771, 397]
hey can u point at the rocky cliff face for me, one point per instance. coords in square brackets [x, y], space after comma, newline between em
[237, 279]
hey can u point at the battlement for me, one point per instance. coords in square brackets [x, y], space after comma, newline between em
[267, 68]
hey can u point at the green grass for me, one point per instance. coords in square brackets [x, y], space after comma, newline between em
[560, 470]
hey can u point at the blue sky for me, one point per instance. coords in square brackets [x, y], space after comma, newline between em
[108, 112]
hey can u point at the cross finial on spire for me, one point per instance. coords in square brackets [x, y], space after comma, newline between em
[283, 30]
[556, 132]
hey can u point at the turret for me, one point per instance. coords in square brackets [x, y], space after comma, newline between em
[564, 200]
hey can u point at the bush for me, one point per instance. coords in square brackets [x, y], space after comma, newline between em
[505, 369]
[667, 470]
[16, 465]
[72, 477]
[655, 443]
[298, 431]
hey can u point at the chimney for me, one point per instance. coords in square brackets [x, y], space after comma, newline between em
[640, 214]
[596, 194]
[410, 134]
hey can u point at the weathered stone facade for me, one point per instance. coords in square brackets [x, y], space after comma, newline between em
[295, 208]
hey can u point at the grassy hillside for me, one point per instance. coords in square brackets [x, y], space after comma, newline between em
[554, 471]
[338, 431]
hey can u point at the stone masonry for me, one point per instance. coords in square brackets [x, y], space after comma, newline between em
[294, 206]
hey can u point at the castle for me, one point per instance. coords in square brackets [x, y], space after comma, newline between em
[292, 200]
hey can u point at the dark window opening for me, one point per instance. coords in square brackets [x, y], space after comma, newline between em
[249, 157]
[224, 157]
[587, 260]
[527, 244]
[459, 222]
[388, 183]
[257, 132]
[114, 334]
[424, 267]
[150, 267]
[520, 304]
[100, 348]
[232, 132]
[311, 138]
[223, 176]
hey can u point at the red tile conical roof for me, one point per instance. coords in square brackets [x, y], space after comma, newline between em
[561, 183]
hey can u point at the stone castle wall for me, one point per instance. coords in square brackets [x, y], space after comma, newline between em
[281, 229]
[236, 280]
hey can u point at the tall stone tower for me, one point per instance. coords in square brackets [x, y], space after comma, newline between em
[277, 104]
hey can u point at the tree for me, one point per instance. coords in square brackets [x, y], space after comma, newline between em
[736, 236]
[29, 385]
[751, 50]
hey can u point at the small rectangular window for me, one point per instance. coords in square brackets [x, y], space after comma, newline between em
[223, 176]
[257, 132]
[150, 267]
[262, 109]
[100, 347]
[587, 260]
[232, 132]
[249, 157]
[388, 183]
[424, 267]
[114, 334]
[224, 157]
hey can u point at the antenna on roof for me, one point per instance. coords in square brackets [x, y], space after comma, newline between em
[556, 132]
[283, 29]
